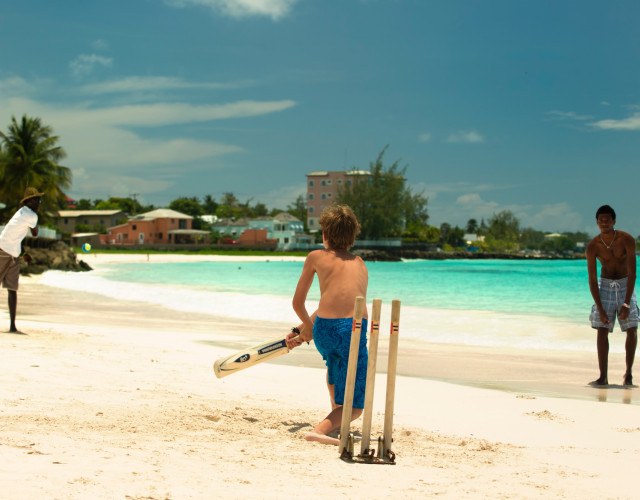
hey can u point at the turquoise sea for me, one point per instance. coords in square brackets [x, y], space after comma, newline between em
[523, 304]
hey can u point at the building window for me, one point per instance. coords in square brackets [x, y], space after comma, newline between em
[126, 236]
[311, 183]
[311, 196]
[324, 196]
[286, 240]
[349, 182]
[329, 182]
[311, 221]
[329, 195]
[134, 227]
[66, 221]
[159, 236]
[339, 181]
[324, 183]
[310, 210]
[182, 224]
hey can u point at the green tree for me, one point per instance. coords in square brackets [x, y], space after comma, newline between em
[504, 226]
[209, 205]
[531, 238]
[188, 206]
[472, 226]
[259, 210]
[127, 205]
[557, 244]
[29, 157]
[84, 204]
[381, 200]
[230, 207]
[299, 209]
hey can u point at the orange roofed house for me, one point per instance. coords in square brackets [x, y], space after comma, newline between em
[158, 227]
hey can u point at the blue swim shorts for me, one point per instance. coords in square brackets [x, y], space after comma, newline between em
[612, 294]
[332, 337]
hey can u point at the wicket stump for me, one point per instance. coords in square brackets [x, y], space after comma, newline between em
[385, 454]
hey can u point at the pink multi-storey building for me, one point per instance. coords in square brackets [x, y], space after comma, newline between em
[322, 190]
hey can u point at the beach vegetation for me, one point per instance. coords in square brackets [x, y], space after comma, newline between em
[451, 236]
[472, 226]
[130, 206]
[383, 203]
[30, 156]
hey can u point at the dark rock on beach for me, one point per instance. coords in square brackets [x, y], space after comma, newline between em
[50, 254]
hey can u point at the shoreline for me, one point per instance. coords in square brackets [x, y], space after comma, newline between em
[104, 398]
[546, 373]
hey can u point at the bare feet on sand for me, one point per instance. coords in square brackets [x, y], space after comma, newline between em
[322, 438]
[600, 382]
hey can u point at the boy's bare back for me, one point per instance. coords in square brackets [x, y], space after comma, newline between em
[342, 277]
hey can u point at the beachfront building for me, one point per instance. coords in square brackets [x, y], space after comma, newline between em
[158, 227]
[323, 188]
[284, 228]
[76, 221]
[231, 226]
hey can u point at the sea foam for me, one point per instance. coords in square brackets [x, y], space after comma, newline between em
[466, 327]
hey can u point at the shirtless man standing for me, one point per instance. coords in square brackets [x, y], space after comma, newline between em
[614, 293]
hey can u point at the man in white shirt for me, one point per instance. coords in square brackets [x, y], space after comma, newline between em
[23, 221]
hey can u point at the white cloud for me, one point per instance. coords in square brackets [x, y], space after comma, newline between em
[283, 196]
[457, 187]
[150, 115]
[100, 44]
[275, 9]
[550, 217]
[100, 138]
[630, 123]
[425, 137]
[466, 137]
[605, 103]
[568, 115]
[554, 217]
[14, 85]
[138, 84]
[105, 183]
[84, 64]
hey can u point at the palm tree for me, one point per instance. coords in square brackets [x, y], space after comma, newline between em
[29, 156]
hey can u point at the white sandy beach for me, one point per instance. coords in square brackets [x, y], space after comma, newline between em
[110, 399]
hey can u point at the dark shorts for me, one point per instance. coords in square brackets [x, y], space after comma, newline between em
[332, 337]
[612, 294]
[9, 270]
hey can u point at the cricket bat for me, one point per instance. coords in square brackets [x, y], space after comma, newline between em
[250, 357]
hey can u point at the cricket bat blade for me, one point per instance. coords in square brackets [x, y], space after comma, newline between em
[250, 357]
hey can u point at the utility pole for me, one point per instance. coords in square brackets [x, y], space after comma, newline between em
[134, 195]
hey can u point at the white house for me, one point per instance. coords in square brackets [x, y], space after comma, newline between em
[287, 229]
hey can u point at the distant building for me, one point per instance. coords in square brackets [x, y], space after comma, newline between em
[161, 226]
[322, 191]
[67, 220]
[284, 228]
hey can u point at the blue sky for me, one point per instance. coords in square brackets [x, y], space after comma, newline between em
[532, 107]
